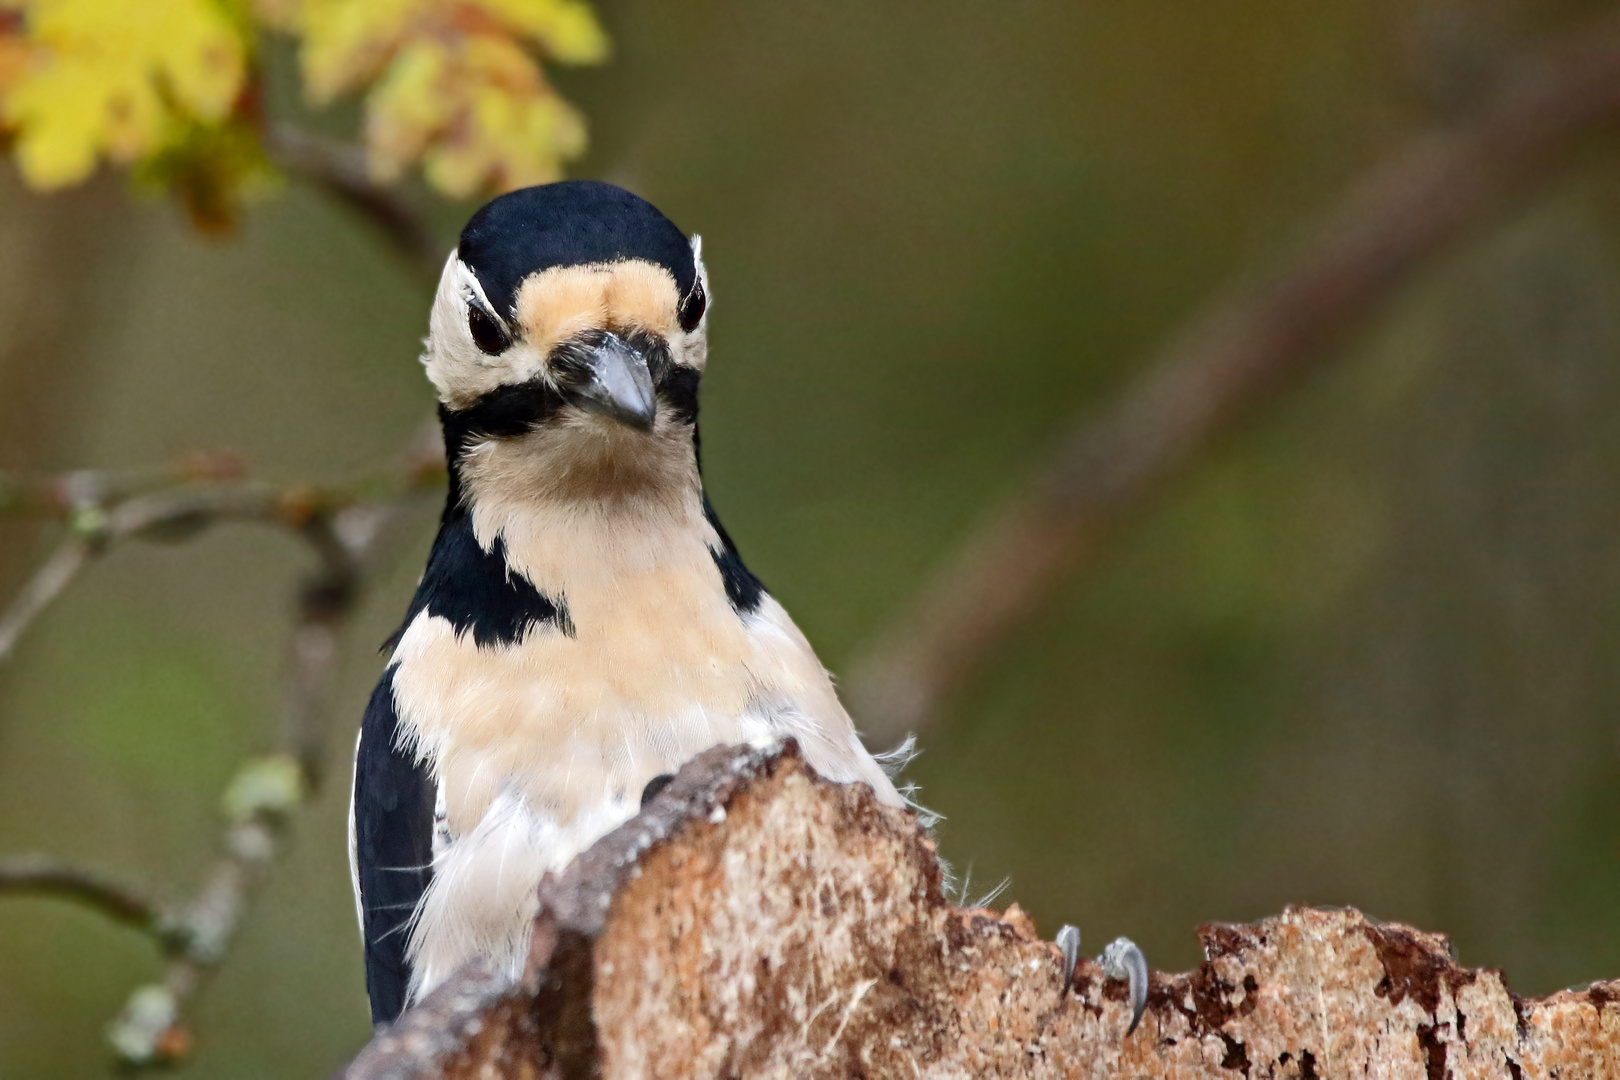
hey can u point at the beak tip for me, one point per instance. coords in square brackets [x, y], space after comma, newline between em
[620, 385]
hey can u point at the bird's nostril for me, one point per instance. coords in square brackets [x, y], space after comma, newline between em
[606, 374]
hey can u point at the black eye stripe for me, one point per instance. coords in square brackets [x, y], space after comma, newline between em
[487, 332]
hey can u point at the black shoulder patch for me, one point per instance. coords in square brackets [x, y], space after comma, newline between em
[393, 848]
[743, 589]
[477, 591]
[571, 223]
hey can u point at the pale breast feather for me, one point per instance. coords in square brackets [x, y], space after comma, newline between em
[547, 674]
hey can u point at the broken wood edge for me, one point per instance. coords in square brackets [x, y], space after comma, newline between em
[460, 1020]
[966, 990]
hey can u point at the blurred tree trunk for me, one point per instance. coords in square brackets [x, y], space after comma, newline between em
[1465, 697]
[1471, 687]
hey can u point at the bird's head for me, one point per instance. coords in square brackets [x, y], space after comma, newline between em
[566, 342]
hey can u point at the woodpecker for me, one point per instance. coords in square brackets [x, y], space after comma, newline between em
[584, 624]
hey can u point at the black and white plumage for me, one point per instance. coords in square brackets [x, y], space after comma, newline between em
[584, 624]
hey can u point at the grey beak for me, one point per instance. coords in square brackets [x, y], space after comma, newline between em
[617, 384]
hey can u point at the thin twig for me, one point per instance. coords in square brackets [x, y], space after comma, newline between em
[349, 536]
[325, 601]
[339, 169]
[38, 875]
[106, 508]
[348, 528]
[59, 495]
[1229, 361]
[48, 582]
[172, 515]
[268, 791]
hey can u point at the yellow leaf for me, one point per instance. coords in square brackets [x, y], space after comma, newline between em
[406, 110]
[566, 29]
[120, 79]
[454, 85]
[348, 43]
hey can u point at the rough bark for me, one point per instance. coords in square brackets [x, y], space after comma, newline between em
[756, 920]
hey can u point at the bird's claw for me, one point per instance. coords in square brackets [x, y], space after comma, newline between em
[1122, 959]
[1068, 940]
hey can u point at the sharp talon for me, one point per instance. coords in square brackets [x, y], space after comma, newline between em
[1068, 940]
[1123, 960]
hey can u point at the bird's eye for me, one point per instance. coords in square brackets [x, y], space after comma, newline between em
[487, 334]
[691, 310]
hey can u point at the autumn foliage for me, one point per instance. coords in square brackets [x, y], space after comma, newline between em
[173, 89]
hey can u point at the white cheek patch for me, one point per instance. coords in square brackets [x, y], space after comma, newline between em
[460, 371]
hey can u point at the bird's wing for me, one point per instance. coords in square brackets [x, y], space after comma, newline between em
[392, 848]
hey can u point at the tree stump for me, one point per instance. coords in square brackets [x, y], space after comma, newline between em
[757, 921]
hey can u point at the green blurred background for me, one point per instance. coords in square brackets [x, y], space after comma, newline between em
[1364, 654]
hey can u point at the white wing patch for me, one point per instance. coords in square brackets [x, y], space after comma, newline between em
[354, 847]
[482, 899]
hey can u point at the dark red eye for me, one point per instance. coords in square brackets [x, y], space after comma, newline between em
[691, 310]
[486, 332]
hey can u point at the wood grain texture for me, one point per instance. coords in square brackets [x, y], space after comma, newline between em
[758, 921]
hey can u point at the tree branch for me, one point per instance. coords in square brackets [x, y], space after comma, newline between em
[1227, 363]
[59, 495]
[349, 536]
[38, 875]
[48, 583]
[348, 527]
[103, 509]
[340, 171]
[163, 515]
